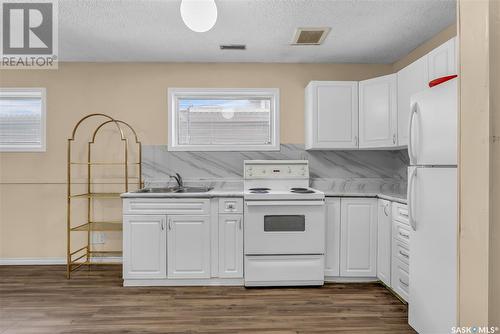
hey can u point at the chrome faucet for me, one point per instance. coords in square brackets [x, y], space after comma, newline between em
[178, 179]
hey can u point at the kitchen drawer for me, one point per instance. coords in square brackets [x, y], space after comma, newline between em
[230, 205]
[400, 213]
[279, 270]
[167, 206]
[401, 232]
[401, 252]
[401, 280]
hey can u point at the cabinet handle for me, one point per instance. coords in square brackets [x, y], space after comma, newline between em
[404, 235]
[239, 223]
[404, 254]
[411, 219]
[394, 138]
[410, 128]
[355, 140]
[162, 225]
[170, 224]
[385, 211]
[402, 282]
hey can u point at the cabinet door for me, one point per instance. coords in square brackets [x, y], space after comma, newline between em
[411, 79]
[358, 237]
[231, 246]
[332, 241]
[378, 112]
[144, 247]
[384, 253]
[331, 117]
[442, 61]
[188, 247]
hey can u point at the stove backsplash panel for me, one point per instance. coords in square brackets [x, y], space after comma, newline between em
[339, 171]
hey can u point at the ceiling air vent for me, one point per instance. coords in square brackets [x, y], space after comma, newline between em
[233, 47]
[310, 36]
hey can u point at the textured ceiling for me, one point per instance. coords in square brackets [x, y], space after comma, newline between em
[363, 31]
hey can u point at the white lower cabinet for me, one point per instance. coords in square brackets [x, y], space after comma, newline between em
[188, 246]
[144, 246]
[332, 237]
[400, 263]
[384, 241]
[231, 246]
[177, 242]
[358, 237]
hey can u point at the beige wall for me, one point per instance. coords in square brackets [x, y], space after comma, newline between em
[32, 194]
[479, 163]
[426, 47]
[494, 294]
[32, 185]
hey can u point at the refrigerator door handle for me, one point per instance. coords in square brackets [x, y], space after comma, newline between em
[413, 223]
[410, 127]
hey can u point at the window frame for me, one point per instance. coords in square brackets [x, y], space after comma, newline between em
[43, 120]
[175, 93]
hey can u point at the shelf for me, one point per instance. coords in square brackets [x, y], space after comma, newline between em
[100, 226]
[105, 254]
[108, 187]
[96, 195]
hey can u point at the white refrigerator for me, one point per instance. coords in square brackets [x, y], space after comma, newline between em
[432, 209]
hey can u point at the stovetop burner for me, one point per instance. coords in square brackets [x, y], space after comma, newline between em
[302, 191]
[259, 190]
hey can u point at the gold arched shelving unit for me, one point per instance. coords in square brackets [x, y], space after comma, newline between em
[86, 255]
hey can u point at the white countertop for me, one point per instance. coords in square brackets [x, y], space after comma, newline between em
[221, 192]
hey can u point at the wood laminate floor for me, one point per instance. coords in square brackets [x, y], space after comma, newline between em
[39, 299]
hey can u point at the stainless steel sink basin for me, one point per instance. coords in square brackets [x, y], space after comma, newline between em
[193, 190]
[174, 190]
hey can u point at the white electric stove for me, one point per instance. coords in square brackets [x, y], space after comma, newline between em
[284, 224]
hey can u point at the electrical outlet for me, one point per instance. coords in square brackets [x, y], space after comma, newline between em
[98, 238]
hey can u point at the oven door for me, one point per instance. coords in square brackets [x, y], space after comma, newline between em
[284, 227]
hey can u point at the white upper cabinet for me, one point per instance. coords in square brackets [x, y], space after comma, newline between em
[442, 61]
[378, 112]
[331, 115]
[358, 237]
[411, 79]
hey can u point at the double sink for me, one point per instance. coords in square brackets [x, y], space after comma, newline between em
[177, 190]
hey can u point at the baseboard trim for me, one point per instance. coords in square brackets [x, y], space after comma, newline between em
[339, 279]
[45, 261]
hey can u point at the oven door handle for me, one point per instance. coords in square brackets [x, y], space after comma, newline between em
[284, 203]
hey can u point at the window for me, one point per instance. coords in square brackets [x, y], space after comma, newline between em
[22, 119]
[223, 119]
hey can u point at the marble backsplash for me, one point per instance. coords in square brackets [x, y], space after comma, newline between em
[339, 171]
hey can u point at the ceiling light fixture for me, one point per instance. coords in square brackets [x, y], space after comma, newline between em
[199, 15]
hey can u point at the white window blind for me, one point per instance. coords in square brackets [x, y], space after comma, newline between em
[22, 119]
[223, 120]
